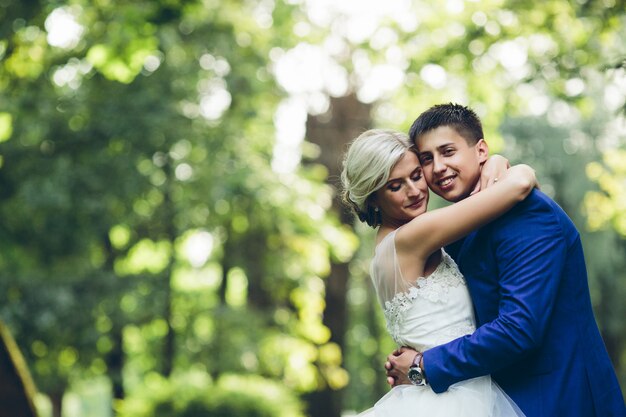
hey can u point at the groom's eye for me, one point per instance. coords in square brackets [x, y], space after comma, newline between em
[424, 159]
[448, 151]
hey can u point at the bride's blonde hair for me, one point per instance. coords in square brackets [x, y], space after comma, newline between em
[366, 167]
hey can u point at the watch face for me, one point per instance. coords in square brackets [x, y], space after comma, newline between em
[415, 375]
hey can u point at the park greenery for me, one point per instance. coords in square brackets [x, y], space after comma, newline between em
[172, 238]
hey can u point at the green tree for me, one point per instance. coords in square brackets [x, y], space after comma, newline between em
[153, 126]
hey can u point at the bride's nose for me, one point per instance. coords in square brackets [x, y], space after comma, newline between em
[412, 189]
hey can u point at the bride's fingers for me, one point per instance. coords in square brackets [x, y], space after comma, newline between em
[476, 188]
[391, 381]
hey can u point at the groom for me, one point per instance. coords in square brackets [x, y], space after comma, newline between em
[526, 273]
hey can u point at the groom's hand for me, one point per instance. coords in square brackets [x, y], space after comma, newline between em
[398, 364]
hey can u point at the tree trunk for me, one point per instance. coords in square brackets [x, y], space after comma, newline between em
[220, 329]
[17, 389]
[606, 312]
[348, 118]
[56, 400]
[171, 233]
[115, 364]
[380, 387]
[259, 299]
[114, 359]
[227, 265]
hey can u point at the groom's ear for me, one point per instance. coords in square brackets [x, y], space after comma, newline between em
[482, 149]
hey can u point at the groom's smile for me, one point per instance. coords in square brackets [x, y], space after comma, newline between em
[446, 182]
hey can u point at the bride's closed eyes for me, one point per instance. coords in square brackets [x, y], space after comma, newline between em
[395, 184]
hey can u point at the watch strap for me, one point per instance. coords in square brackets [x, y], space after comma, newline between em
[417, 359]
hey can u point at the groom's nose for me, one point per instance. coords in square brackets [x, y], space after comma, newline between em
[438, 164]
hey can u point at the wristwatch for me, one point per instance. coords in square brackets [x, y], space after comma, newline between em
[416, 374]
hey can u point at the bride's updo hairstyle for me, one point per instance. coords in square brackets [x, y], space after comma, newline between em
[366, 167]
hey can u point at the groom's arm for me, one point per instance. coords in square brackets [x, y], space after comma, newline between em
[530, 252]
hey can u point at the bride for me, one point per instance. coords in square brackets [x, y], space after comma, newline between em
[424, 297]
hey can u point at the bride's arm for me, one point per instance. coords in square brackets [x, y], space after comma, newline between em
[435, 229]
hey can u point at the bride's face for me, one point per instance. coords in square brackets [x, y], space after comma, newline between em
[405, 195]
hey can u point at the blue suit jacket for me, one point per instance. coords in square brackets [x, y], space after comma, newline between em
[537, 337]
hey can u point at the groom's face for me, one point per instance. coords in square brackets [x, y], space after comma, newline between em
[451, 166]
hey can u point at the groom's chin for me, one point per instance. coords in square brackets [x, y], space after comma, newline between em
[452, 195]
[445, 194]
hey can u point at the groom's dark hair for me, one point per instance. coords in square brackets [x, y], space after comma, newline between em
[458, 117]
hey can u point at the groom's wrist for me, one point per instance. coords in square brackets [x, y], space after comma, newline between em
[416, 372]
[419, 361]
[423, 368]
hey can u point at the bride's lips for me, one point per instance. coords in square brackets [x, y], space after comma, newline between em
[417, 204]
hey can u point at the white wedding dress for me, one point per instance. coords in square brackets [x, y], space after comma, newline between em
[422, 314]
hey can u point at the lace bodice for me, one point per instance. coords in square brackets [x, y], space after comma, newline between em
[428, 311]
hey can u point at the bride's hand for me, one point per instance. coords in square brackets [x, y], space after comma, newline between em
[493, 168]
[398, 364]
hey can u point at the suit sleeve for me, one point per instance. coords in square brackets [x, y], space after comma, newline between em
[530, 255]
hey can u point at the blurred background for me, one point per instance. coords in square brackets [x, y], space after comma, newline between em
[171, 238]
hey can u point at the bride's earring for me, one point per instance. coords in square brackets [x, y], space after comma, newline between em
[378, 219]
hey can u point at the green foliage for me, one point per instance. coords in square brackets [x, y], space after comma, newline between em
[606, 206]
[193, 395]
